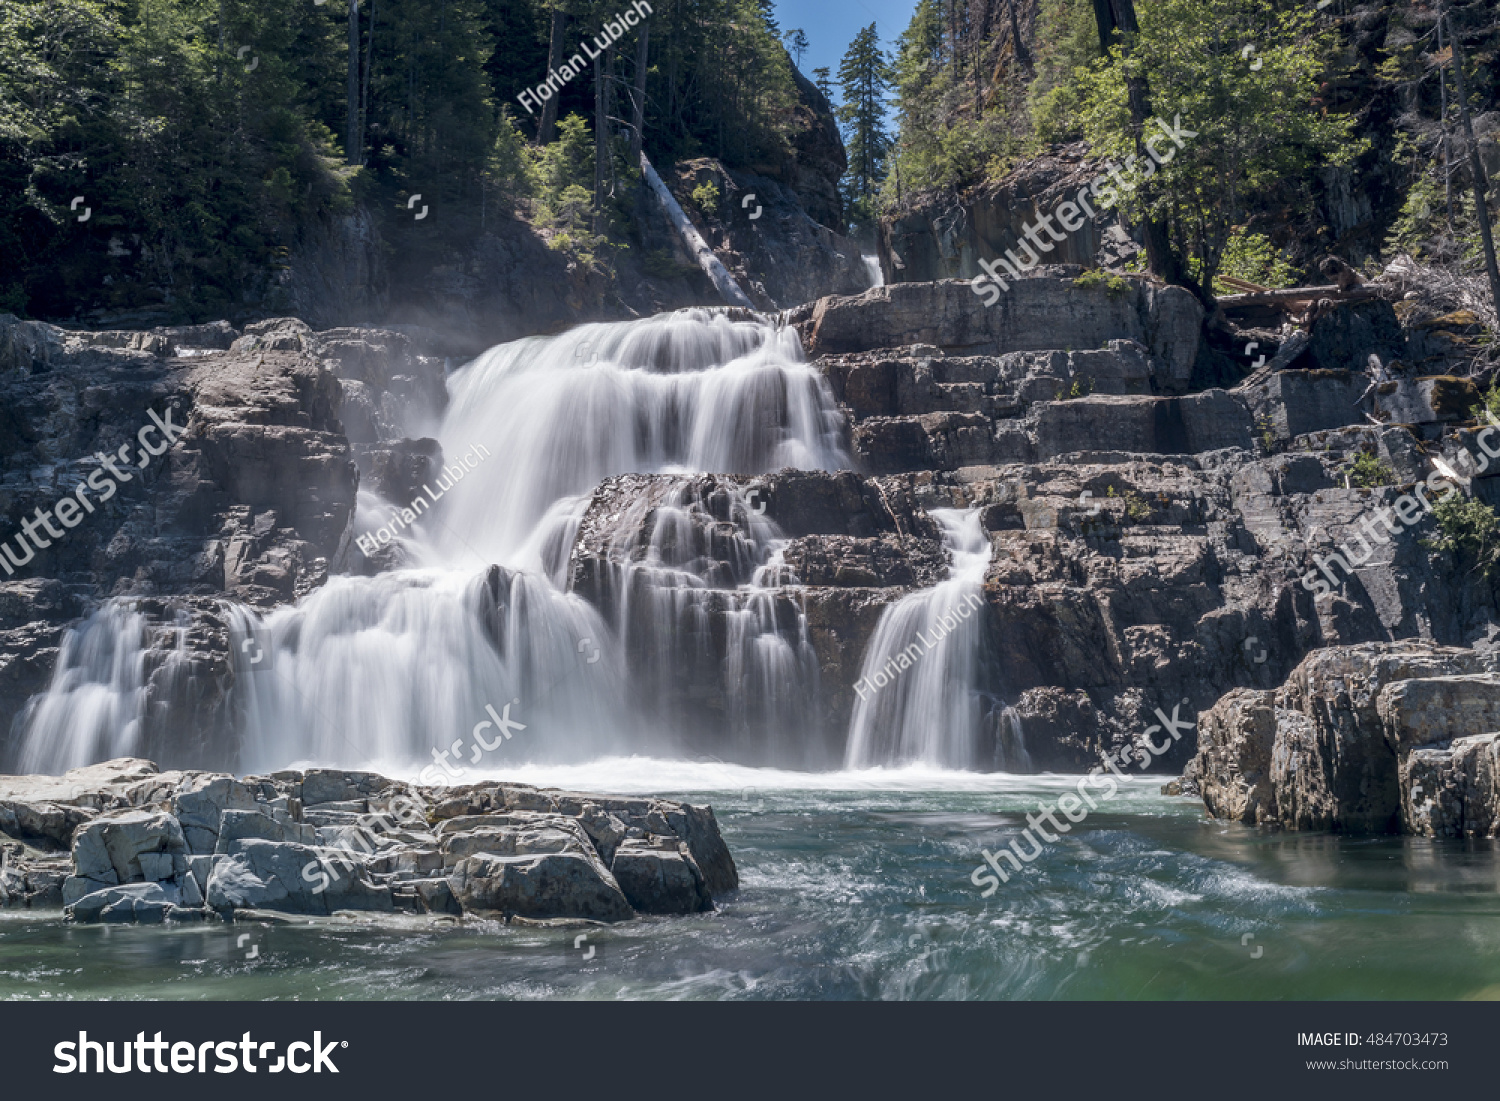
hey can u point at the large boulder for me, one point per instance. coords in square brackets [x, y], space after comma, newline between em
[298, 879]
[548, 885]
[126, 847]
[139, 903]
[1377, 738]
[658, 879]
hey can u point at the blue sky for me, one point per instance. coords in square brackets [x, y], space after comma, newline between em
[831, 24]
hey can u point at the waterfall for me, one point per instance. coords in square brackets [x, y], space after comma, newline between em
[94, 707]
[690, 627]
[872, 269]
[917, 698]
[1010, 743]
[391, 670]
[400, 669]
[686, 392]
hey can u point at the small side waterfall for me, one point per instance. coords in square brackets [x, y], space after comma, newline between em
[1010, 743]
[917, 696]
[96, 704]
[872, 269]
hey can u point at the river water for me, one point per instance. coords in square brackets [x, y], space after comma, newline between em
[855, 885]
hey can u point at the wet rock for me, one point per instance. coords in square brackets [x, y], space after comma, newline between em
[1453, 790]
[1236, 740]
[552, 885]
[285, 876]
[138, 903]
[491, 849]
[32, 880]
[658, 880]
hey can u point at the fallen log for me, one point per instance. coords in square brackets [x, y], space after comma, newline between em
[712, 266]
[1293, 295]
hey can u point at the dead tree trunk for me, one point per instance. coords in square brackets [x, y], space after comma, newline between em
[712, 266]
[1476, 169]
[638, 105]
[601, 143]
[546, 129]
[364, 93]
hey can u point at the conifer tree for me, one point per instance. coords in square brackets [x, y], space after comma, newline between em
[865, 79]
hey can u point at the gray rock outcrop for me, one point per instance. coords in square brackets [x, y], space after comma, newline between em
[150, 846]
[1375, 738]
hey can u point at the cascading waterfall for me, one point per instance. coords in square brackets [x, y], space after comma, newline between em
[688, 392]
[873, 270]
[917, 696]
[95, 706]
[396, 669]
[689, 624]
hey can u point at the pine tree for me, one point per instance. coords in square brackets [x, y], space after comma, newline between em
[824, 80]
[865, 77]
[796, 44]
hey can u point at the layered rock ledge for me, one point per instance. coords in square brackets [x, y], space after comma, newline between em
[1378, 738]
[125, 842]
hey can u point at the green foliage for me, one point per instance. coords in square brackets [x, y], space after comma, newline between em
[706, 196]
[560, 177]
[950, 136]
[1422, 228]
[1114, 285]
[1489, 401]
[824, 81]
[1077, 390]
[1267, 426]
[208, 137]
[1368, 471]
[1470, 530]
[1067, 39]
[1137, 507]
[1252, 257]
[865, 78]
[661, 264]
[796, 44]
[1254, 129]
[721, 83]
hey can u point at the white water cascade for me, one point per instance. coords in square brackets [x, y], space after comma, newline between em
[95, 707]
[916, 699]
[872, 269]
[393, 670]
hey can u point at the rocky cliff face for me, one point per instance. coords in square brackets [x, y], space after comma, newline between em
[945, 236]
[250, 498]
[779, 253]
[1159, 549]
[1152, 541]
